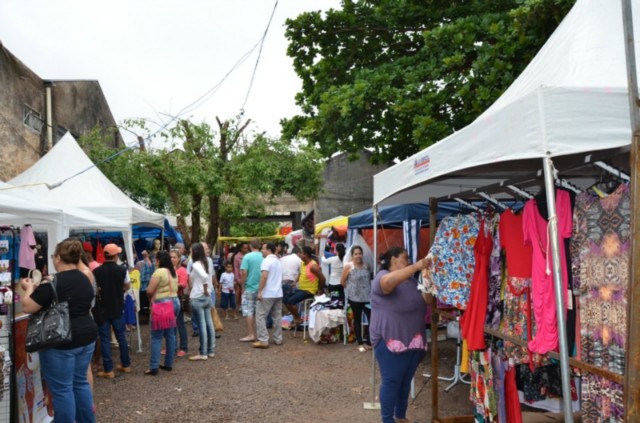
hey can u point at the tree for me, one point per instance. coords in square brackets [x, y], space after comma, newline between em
[395, 76]
[219, 176]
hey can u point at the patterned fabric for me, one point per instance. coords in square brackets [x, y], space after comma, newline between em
[482, 392]
[516, 317]
[495, 306]
[359, 285]
[453, 259]
[603, 242]
[601, 400]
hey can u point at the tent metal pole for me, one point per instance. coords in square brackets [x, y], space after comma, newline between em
[373, 405]
[433, 215]
[631, 391]
[557, 285]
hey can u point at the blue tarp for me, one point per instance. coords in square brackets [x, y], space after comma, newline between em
[393, 216]
[147, 232]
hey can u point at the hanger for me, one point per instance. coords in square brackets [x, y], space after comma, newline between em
[563, 183]
[493, 201]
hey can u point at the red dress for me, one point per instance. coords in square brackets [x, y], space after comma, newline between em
[472, 321]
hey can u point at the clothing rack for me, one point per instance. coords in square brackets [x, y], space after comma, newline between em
[457, 374]
[562, 356]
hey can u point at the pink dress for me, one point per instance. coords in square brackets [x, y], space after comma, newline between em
[542, 292]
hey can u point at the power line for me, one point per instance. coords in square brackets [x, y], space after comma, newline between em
[255, 68]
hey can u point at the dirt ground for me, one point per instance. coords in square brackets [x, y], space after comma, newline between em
[302, 382]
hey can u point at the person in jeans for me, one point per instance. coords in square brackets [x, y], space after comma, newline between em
[397, 330]
[356, 278]
[201, 287]
[113, 281]
[183, 283]
[163, 287]
[65, 367]
[269, 297]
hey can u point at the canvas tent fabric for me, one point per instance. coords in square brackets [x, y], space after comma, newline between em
[20, 208]
[91, 190]
[336, 221]
[572, 98]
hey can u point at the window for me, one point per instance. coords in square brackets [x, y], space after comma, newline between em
[32, 119]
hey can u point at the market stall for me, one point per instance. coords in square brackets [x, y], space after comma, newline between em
[65, 176]
[564, 122]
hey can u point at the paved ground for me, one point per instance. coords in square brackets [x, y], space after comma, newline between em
[299, 382]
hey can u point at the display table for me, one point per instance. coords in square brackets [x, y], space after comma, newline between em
[322, 319]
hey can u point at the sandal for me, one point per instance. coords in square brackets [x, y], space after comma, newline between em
[362, 348]
[151, 372]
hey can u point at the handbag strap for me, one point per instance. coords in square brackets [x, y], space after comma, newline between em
[54, 283]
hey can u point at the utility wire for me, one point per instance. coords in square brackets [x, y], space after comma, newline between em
[191, 106]
[255, 68]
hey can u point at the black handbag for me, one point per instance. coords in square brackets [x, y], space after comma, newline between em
[49, 327]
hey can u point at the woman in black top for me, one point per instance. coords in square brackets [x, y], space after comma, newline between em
[65, 367]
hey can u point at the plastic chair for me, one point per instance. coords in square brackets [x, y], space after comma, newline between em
[305, 320]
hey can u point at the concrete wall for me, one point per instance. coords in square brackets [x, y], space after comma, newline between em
[77, 106]
[348, 186]
[20, 145]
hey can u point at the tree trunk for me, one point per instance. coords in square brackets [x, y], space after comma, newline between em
[182, 228]
[214, 220]
[196, 212]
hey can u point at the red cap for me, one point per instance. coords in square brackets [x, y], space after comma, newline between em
[87, 247]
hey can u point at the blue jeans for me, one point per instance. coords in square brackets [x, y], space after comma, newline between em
[105, 339]
[170, 339]
[65, 372]
[396, 371]
[201, 307]
[181, 329]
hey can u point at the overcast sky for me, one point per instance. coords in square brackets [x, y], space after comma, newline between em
[155, 57]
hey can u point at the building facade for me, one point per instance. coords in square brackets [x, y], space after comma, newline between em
[35, 113]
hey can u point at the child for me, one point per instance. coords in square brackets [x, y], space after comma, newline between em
[228, 298]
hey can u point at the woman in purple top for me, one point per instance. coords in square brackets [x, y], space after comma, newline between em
[397, 330]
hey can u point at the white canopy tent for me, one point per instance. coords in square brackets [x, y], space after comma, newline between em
[572, 98]
[571, 104]
[77, 182]
[18, 208]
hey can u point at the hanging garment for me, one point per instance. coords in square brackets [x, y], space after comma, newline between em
[536, 232]
[472, 320]
[454, 260]
[482, 392]
[603, 263]
[495, 306]
[27, 256]
[518, 253]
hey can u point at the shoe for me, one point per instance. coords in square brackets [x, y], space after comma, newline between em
[211, 355]
[218, 336]
[181, 353]
[163, 351]
[277, 343]
[248, 339]
[121, 368]
[165, 368]
[259, 344]
[151, 372]
[197, 357]
[195, 335]
[106, 375]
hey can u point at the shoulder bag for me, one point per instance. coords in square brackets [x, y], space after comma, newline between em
[50, 327]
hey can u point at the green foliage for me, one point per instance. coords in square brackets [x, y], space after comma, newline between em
[190, 170]
[253, 229]
[395, 76]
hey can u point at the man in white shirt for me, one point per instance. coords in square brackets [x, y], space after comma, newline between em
[269, 297]
[290, 271]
